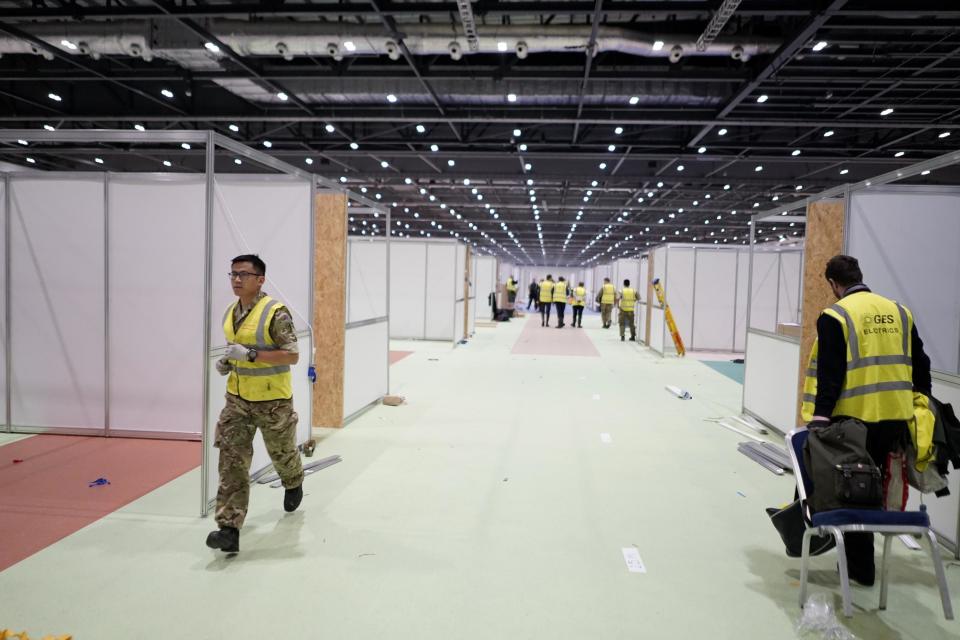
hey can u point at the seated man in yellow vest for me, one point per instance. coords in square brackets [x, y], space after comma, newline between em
[628, 302]
[579, 300]
[866, 363]
[607, 296]
[560, 299]
[546, 300]
[511, 292]
[262, 344]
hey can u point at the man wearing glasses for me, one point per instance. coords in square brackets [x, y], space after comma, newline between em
[261, 346]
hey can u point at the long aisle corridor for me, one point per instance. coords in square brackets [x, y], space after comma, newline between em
[496, 503]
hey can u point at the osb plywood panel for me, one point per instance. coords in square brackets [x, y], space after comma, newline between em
[329, 306]
[650, 298]
[825, 229]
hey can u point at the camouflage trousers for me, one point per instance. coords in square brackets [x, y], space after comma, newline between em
[627, 320]
[236, 427]
[605, 310]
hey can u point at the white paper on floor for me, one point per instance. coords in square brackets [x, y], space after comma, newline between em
[605, 438]
[631, 555]
[596, 396]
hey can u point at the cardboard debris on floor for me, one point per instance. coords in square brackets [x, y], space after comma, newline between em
[394, 401]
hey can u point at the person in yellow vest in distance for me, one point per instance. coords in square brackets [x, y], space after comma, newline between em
[579, 300]
[868, 363]
[546, 300]
[560, 299]
[606, 297]
[628, 302]
[511, 290]
[261, 346]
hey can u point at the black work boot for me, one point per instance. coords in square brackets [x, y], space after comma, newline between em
[227, 539]
[622, 338]
[633, 339]
[292, 498]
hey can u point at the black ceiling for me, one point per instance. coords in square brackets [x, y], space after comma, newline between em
[696, 139]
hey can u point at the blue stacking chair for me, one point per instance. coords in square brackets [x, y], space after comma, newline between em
[839, 521]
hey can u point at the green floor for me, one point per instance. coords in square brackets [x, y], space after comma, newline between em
[488, 507]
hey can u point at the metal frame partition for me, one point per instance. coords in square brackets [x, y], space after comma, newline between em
[211, 142]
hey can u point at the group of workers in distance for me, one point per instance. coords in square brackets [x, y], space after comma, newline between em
[558, 293]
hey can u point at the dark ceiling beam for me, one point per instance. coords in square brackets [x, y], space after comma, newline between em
[591, 53]
[783, 55]
[81, 64]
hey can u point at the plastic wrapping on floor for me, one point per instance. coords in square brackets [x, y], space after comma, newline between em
[819, 618]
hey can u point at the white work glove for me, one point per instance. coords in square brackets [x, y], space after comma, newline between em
[237, 352]
[223, 366]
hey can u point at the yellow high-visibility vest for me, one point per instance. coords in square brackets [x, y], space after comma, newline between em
[560, 291]
[257, 381]
[608, 294]
[511, 285]
[546, 291]
[628, 298]
[579, 296]
[879, 380]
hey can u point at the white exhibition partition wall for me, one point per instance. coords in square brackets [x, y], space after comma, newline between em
[367, 340]
[4, 221]
[284, 241]
[424, 287]
[898, 258]
[923, 280]
[771, 379]
[626, 269]
[706, 288]
[776, 287]
[485, 283]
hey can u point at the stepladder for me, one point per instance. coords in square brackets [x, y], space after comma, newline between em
[668, 317]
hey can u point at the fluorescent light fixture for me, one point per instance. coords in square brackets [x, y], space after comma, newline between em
[349, 46]
[391, 98]
[763, 98]
[23, 142]
[827, 134]
[886, 111]
[844, 172]
[702, 150]
[726, 187]
[49, 127]
[237, 161]
[343, 179]
[211, 47]
[925, 172]
[820, 46]
[267, 144]
[523, 147]
[799, 187]
[634, 100]
[68, 45]
[603, 165]
[420, 128]
[795, 152]
[945, 134]
[680, 167]
[660, 185]
[329, 128]
[612, 147]
[658, 45]
[898, 154]
[31, 160]
[167, 163]
[98, 160]
[517, 133]
[501, 46]
[185, 145]
[234, 128]
[618, 130]
[308, 160]
[722, 132]
[354, 146]
[758, 168]
[511, 97]
[527, 167]
[55, 97]
[451, 163]
[434, 148]
[139, 127]
[384, 164]
[284, 97]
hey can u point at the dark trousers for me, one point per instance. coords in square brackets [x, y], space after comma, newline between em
[544, 314]
[561, 311]
[533, 301]
[577, 315]
[883, 438]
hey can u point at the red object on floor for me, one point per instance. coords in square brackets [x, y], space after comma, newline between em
[397, 356]
[47, 497]
[535, 340]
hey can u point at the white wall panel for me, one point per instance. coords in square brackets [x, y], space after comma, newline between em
[771, 378]
[485, 283]
[716, 279]
[57, 301]
[3, 305]
[789, 290]
[657, 330]
[641, 319]
[643, 280]
[743, 295]
[442, 275]
[461, 266]
[366, 279]
[763, 297]
[365, 373]
[408, 289]
[156, 249]
[905, 239]
[678, 287]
